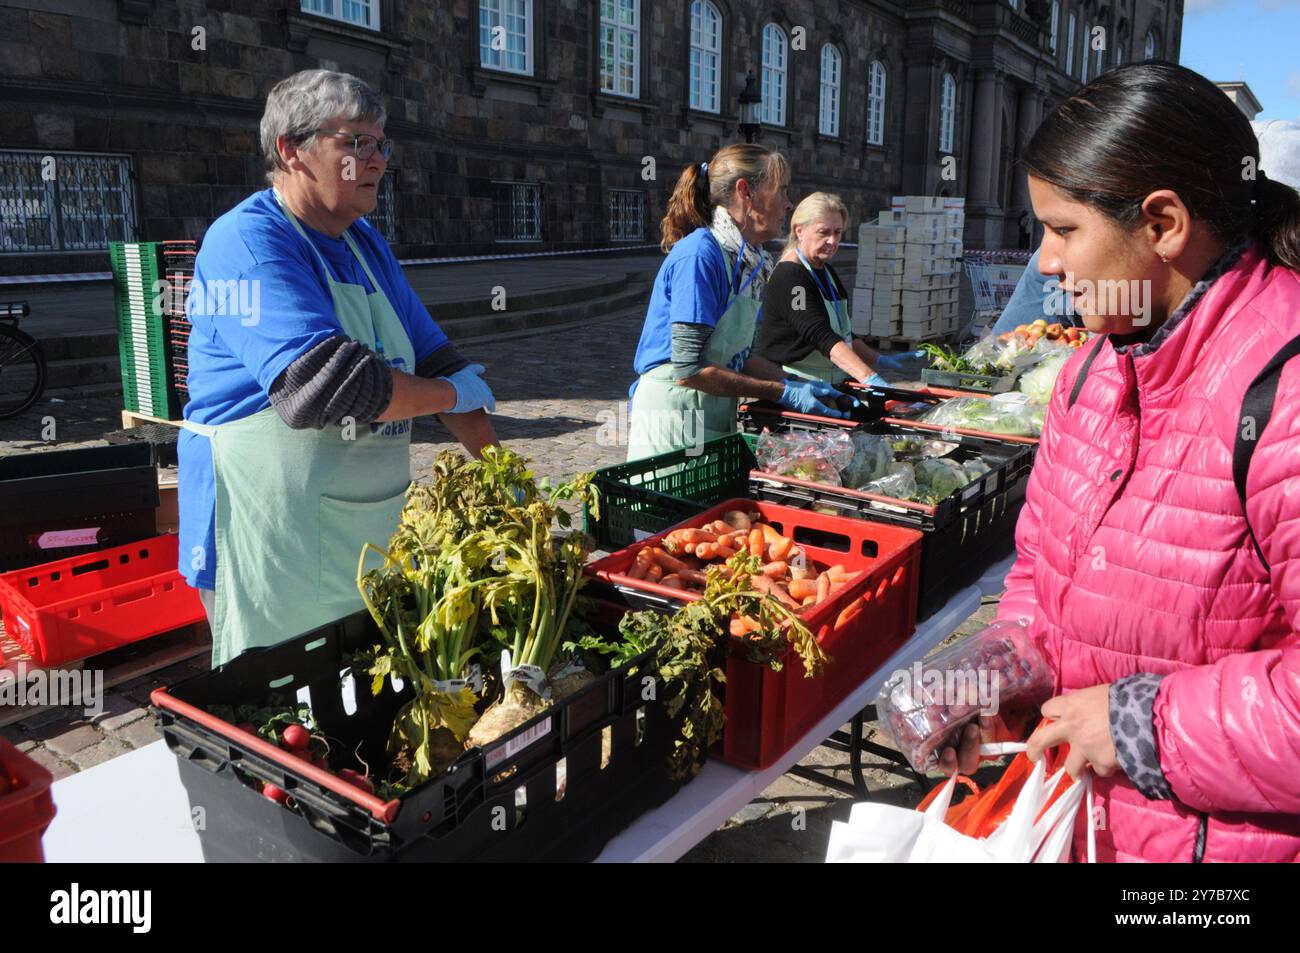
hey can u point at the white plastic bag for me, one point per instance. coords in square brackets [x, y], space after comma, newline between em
[883, 833]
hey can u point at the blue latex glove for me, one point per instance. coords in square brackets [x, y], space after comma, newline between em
[875, 380]
[904, 366]
[472, 392]
[805, 398]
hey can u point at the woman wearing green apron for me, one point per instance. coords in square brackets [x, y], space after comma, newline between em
[309, 355]
[807, 330]
[694, 360]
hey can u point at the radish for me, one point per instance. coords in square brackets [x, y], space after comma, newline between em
[295, 737]
[278, 795]
[357, 780]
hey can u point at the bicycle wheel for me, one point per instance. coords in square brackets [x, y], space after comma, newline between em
[22, 371]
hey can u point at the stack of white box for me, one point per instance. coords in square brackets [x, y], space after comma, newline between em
[878, 284]
[917, 267]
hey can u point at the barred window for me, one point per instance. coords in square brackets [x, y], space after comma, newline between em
[384, 217]
[505, 35]
[363, 13]
[620, 47]
[518, 211]
[63, 202]
[626, 215]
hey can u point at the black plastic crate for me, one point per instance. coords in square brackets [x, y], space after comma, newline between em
[649, 495]
[963, 534]
[587, 767]
[162, 437]
[91, 497]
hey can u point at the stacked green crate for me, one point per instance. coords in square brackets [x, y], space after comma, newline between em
[141, 330]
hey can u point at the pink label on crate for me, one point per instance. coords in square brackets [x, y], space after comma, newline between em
[69, 537]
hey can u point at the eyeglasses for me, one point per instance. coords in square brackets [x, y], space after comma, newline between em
[363, 145]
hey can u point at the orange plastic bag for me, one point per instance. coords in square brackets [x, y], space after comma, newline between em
[980, 814]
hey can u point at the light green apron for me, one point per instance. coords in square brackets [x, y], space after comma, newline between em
[667, 416]
[293, 507]
[817, 366]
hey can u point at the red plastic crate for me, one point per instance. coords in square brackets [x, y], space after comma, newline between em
[26, 808]
[768, 711]
[77, 607]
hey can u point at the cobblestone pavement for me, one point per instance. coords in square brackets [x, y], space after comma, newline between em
[561, 395]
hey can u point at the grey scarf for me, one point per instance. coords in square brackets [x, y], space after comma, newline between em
[728, 235]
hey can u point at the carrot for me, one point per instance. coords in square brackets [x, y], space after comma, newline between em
[839, 574]
[672, 581]
[717, 527]
[723, 550]
[694, 577]
[823, 587]
[783, 594]
[734, 540]
[810, 601]
[707, 551]
[654, 573]
[776, 570]
[741, 626]
[803, 588]
[780, 549]
[769, 532]
[756, 541]
[667, 562]
[636, 570]
[800, 572]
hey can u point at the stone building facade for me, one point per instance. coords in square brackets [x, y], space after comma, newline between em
[527, 125]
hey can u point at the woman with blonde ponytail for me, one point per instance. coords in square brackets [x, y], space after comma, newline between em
[694, 359]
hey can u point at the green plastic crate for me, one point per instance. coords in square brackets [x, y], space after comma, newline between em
[147, 379]
[644, 497]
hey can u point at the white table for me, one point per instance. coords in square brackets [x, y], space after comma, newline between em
[135, 809]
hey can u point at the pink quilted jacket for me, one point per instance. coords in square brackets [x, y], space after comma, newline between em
[1134, 556]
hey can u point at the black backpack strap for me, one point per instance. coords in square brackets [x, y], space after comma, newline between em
[1083, 371]
[1256, 409]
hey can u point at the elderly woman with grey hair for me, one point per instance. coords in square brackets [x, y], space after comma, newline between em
[309, 355]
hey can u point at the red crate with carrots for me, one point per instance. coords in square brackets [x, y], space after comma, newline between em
[853, 583]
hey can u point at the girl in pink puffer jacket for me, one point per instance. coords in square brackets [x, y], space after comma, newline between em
[1166, 607]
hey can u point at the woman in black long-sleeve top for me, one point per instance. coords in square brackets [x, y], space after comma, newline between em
[805, 324]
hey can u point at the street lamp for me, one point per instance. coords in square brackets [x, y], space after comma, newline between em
[750, 100]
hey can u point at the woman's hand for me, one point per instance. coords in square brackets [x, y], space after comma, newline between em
[1081, 719]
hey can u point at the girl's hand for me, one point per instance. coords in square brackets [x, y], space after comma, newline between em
[1081, 719]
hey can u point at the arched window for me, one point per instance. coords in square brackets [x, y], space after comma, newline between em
[775, 68]
[1055, 26]
[620, 47]
[706, 57]
[1084, 53]
[1151, 48]
[828, 121]
[947, 113]
[1070, 27]
[876, 103]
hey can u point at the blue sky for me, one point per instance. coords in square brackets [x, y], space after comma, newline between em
[1250, 40]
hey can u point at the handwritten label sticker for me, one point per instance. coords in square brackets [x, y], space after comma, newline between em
[68, 537]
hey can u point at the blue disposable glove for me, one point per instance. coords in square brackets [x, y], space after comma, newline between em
[875, 380]
[904, 366]
[805, 398]
[472, 392]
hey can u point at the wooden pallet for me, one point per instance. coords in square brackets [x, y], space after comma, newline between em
[119, 666]
[133, 418]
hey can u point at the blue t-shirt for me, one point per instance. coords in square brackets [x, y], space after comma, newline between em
[691, 288]
[253, 260]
